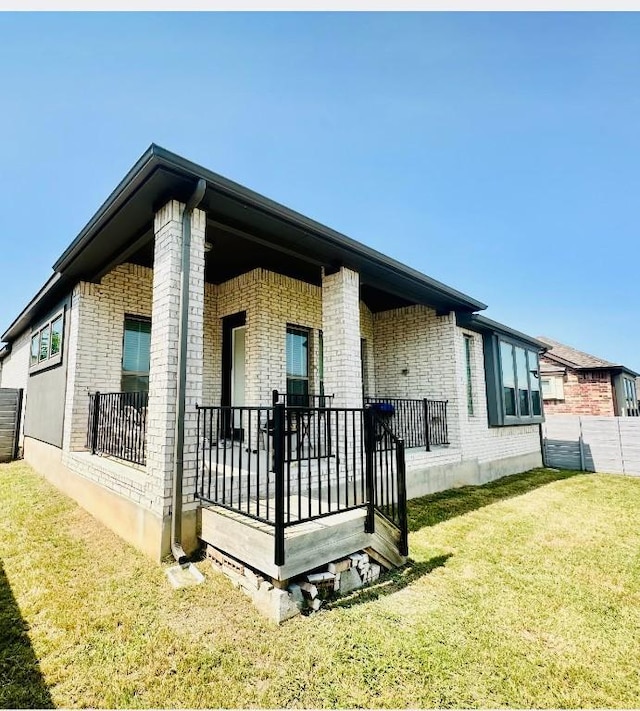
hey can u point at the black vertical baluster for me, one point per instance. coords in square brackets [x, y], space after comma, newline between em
[233, 453]
[212, 439]
[386, 476]
[258, 435]
[278, 447]
[393, 482]
[225, 425]
[249, 455]
[426, 425]
[270, 468]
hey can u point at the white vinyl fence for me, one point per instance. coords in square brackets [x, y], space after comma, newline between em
[595, 444]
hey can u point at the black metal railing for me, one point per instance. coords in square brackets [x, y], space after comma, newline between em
[386, 475]
[436, 417]
[117, 425]
[419, 423]
[287, 465]
[302, 399]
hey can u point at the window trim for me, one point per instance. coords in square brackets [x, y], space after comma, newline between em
[49, 361]
[133, 373]
[468, 362]
[293, 328]
[495, 386]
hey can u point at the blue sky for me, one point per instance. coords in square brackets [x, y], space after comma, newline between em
[499, 153]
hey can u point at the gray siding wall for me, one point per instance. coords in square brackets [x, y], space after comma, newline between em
[44, 412]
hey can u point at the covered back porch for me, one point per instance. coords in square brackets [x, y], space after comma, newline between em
[275, 302]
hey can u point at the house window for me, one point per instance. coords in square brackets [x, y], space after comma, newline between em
[631, 397]
[297, 347]
[321, 362]
[46, 343]
[136, 348]
[520, 381]
[468, 357]
[552, 387]
[364, 367]
[512, 380]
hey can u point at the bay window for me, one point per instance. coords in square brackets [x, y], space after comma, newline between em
[513, 381]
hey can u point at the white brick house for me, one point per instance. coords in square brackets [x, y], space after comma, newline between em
[275, 302]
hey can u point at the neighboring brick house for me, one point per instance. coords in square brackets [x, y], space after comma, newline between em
[574, 382]
[186, 301]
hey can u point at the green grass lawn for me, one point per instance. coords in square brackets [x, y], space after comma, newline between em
[524, 592]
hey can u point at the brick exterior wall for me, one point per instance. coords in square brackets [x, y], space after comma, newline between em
[163, 373]
[415, 353]
[585, 393]
[429, 347]
[271, 301]
[368, 366]
[478, 440]
[341, 328]
[96, 328]
[96, 333]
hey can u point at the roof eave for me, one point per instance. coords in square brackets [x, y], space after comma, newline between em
[156, 156]
[21, 322]
[483, 324]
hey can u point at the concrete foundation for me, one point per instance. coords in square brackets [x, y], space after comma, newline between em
[136, 524]
[428, 480]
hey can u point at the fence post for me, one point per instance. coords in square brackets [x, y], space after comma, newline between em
[94, 423]
[583, 465]
[278, 468]
[426, 424]
[402, 498]
[369, 448]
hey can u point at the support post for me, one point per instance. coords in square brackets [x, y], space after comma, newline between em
[583, 464]
[403, 548]
[278, 468]
[369, 448]
[426, 425]
[94, 422]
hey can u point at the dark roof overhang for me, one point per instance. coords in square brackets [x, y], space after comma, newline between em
[53, 289]
[482, 324]
[124, 223]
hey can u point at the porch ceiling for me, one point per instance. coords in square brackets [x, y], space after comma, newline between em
[233, 254]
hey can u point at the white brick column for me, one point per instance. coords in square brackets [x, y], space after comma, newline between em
[341, 337]
[163, 373]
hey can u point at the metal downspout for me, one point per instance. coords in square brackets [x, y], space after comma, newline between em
[183, 337]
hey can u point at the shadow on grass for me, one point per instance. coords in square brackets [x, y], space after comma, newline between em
[21, 682]
[436, 508]
[391, 582]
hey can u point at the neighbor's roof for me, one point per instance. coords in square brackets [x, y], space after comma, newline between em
[126, 217]
[579, 360]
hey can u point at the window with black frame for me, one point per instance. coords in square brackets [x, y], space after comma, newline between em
[136, 348]
[297, 347]
[520, 379]
[46, 344]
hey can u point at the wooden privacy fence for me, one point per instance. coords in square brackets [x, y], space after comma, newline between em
[595, 444]
[10, 408]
